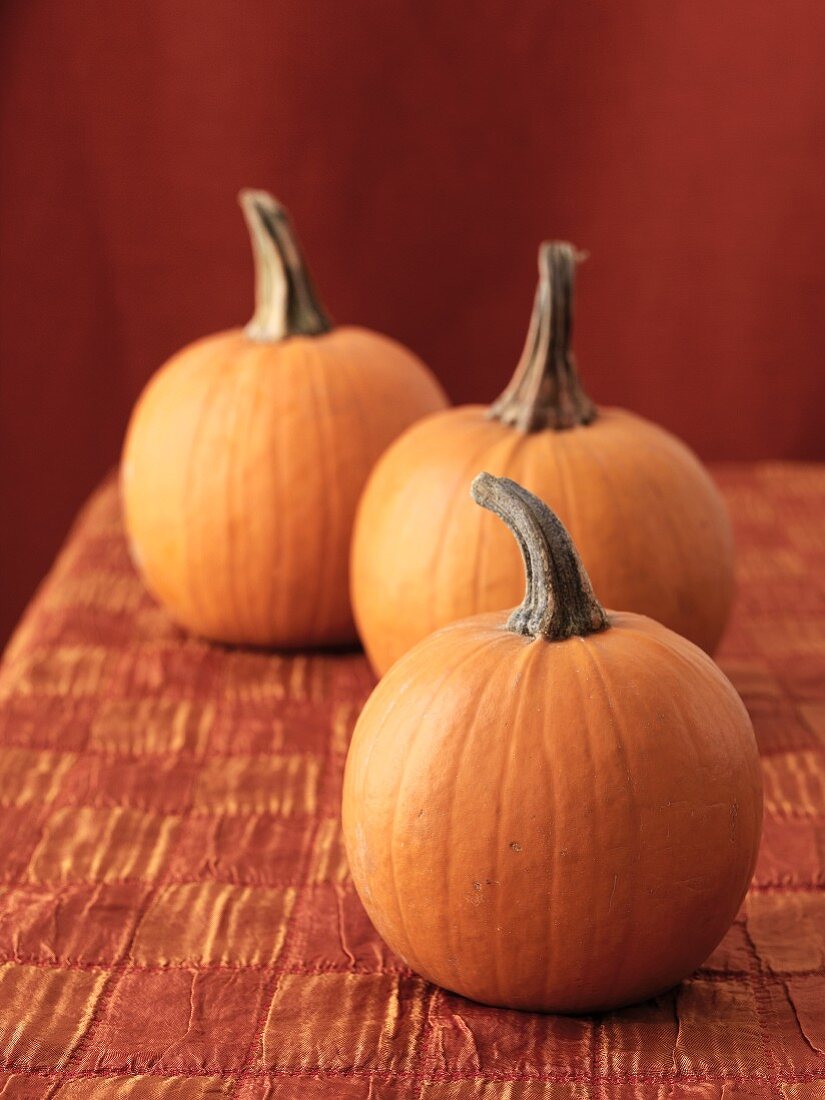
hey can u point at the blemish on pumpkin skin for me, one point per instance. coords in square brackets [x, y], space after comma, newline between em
[514, 844]
[478, 898]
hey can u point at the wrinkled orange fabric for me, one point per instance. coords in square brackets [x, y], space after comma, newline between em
[176, 916]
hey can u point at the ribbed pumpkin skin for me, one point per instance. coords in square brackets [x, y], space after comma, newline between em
[561, 826]
[646, 518]
[241, 472]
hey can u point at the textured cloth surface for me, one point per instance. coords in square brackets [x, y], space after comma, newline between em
[176, 917]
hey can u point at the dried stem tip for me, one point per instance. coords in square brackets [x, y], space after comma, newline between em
[286, 303]
[545, 391]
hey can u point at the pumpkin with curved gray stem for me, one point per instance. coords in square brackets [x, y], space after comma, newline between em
[649, 523]
[558, 809]
[247, 452]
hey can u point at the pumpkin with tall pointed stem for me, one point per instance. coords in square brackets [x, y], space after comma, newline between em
[648, 521]
[247, 452]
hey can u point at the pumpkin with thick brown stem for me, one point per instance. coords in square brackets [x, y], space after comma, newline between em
[247, 452]
[649, 523]
[559, 810]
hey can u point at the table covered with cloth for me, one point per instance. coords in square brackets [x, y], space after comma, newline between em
[176, 915]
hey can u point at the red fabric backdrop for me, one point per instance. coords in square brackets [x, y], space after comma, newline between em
[424, 148]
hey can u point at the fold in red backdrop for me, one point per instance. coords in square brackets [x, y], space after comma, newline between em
[424, 149]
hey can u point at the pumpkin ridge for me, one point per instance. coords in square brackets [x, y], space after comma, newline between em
[450, 518]
[594, 827]
[482, 541]
[715, 679]
[279, 598]
[230, 416]
[244, 607]
[194, 554]
[564, 482]
[525, 663]
[620, 730]
[688, 653]
[441, 684]
[550, 756]
[617, 495]
[184, 528]
[252, 601]
[354, 375]
[711, 672]
[664, 513]
[667, 517]
[458, 767]
[685, 459]
[320, 398]
[645, 485]
[385, 711]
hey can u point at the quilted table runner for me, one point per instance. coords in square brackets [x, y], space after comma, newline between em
[176, 915]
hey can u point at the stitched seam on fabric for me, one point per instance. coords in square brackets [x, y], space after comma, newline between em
[109, 989]
[188, 880]
[149, 757]
[188, 757]
[760, 991]
[196, 967]
[790, 887]
[156, 811]
[723, 976]
[304, 891]
[643, 1076]
[428, 1038]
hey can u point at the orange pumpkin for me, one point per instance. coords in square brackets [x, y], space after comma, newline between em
[247, 452]
[646, 517]
[557, 811]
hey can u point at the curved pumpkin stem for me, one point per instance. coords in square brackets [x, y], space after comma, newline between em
[559, 602]
[286, 303]
[545, 391]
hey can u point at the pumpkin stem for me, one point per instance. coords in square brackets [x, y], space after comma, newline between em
[559, 602]
[545, 391]
[286, 303]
